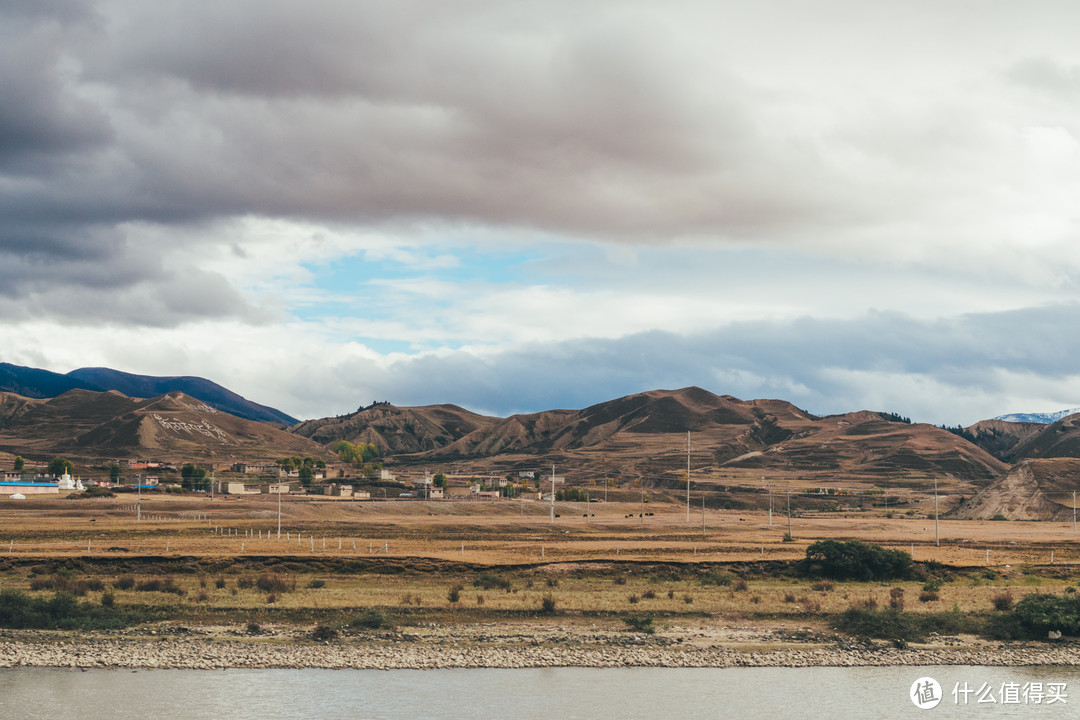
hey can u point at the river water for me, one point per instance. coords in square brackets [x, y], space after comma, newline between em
[558, 693]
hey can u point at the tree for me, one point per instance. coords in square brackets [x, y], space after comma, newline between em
[19, 463]
[60, 466]
[306, 475]
[321, 464]
[287, 464]
[114, 473]
[440, 480]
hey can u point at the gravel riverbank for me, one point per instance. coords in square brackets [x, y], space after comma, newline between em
[484, 647]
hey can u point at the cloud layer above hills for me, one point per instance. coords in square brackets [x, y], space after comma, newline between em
[529, 205]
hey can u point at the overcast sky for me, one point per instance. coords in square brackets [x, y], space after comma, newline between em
[515, 206]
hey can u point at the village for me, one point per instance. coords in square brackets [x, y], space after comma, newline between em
[283, 477]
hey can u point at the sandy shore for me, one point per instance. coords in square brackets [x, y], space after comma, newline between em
[487, 647]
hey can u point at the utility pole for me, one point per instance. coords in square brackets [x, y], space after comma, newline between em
[1074, 511]
[937, 537]
[769, 485]
[687, 476]
[789, 510]
[138, 502]
[553, 493]
[702, 516]
[279, 510]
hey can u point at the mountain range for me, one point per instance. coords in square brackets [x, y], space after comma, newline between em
[1041, 418]
[636, 437]
[35, 383]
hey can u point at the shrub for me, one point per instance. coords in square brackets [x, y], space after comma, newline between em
[893, 625]
[323, 633]
[245, 583]
[547, 604]
[1002, 601]
[479, 599]
[640, 623]
[740, 585]
[649, 595]
[273, 583]
[62, 611]
[633, 599]
[253, 628]
[721, 578]
[454, 593]
[822, 586]
[885, 624]
[1041, 613]
[316, 584]
[896, 599]
[619, 580]
[688, 599]
[789, 597]
[125, 582]
[854, 560]
[370, 620]
[202, 597]
[220, 583]
[928, 596]
[552, 582]
[107, 600]
[489, 580]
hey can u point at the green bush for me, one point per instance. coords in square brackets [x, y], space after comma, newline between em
[892, 624]
[639, 623]
[371, 620]
[62, 611]
[854, 560]
[721, 578]
[1038, 614]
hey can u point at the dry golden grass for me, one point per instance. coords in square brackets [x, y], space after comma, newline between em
[568, 559]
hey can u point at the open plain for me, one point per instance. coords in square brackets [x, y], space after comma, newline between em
[212, 583]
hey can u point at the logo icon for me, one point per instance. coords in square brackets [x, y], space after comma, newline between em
[925, 693]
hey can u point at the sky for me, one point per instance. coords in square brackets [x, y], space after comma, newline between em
[518, 206]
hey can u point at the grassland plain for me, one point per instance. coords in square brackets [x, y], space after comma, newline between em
[461, 584]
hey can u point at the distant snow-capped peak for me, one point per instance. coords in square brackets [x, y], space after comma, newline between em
[1043, 418]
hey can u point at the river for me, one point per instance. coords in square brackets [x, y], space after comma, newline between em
[562, 693]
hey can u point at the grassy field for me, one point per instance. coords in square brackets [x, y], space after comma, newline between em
[222, 561]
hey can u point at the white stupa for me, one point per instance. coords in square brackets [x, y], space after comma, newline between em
[66, 482]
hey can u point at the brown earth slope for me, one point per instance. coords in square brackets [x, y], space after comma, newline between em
[1057, 440]
[86, 424]
[1033, 490]
[396, 430]
[644, 436]
[1000, 437]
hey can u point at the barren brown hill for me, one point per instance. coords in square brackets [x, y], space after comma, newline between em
[396, 430]
[657, 412]
[1057, 440]
[1000, 437]
[643, 436]
[867, 443]
[95, 425]
[1033, 490]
